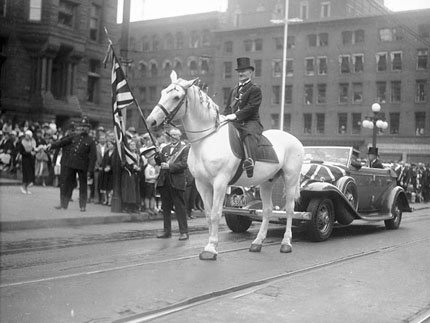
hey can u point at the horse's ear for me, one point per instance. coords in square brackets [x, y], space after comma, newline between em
[173, 76]
[188, 84]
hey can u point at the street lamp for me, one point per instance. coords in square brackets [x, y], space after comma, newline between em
[374, 122]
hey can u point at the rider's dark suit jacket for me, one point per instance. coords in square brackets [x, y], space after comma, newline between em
[245, 103]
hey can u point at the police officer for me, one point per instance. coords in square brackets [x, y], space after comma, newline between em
[242, 108]
[81, 160]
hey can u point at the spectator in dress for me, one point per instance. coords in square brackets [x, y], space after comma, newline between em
[27, 150]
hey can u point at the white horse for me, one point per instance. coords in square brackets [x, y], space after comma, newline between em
[213, 164]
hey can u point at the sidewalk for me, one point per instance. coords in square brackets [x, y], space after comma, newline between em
[35, 211]
[22, 212]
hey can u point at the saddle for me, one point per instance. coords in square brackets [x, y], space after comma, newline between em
[263, 148]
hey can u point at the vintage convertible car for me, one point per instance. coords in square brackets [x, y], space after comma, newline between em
[334, 188]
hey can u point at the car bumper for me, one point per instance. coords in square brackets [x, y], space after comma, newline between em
[256, 213]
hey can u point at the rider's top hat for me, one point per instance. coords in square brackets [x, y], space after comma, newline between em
[373, 151]
[244, 63]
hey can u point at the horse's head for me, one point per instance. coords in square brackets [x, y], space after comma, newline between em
[169, 107]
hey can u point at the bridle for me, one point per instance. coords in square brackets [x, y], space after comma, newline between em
[171, 115]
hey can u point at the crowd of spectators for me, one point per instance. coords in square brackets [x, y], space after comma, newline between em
[137, 191]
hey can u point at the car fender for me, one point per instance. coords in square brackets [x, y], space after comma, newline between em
[398, 192]
[327, 190]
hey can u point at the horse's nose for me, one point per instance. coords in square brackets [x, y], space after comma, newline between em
[151, 122]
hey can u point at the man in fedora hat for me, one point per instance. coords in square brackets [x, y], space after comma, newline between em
[242, 109]
[80, 160]
[373, 157]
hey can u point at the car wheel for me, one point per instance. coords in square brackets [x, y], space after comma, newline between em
[396, 212]
[348, 187]
[321, 225]
[238, 223]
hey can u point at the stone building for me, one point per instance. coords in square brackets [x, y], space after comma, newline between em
[51, 60]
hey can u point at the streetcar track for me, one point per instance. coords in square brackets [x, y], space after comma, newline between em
[212, 296]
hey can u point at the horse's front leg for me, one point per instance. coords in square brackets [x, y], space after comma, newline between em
[266, 198]
[210, 252]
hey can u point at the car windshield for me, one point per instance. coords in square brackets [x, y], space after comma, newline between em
[338, 155]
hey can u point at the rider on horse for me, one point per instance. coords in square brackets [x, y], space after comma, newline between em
[243, 109]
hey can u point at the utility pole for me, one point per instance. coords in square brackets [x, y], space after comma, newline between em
[116, 205]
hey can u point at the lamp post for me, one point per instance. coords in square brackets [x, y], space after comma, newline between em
[374, 122]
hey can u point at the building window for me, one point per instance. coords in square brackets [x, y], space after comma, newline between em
[276, 91]
[396, 91]
[35, 13]
[259, 44]
[322, 93]
[398, 33]
[95, 22]
[312, 40]
[194, 39]
[193, 67]
[276, 68]
[309, 94]
[93, 81]
[346, 37]
[396, 61]
[344, 64]
[394, 123]
[225, 94]
[310, 66]
[169, 42]
[237, 18]
[143, 68]
[291, 42]
[420, 121]
[178, 65]
[66, 13]
[142, 94]
[320, 123]
[258, 67]
[357, 92]
[146, 45]
[422, 59]
[381, 92]
[152, 93]
[279, 43]
[420, 86]
[154, 69]
[227, 70]
[288, 94]
[356, 123]
[307, 123]
[381, 62]
[357, 61]
[248, 45]
[3, 6]
[204, 65]
[275, 121]
[343, 93]
[228, 47]
[323, 39]
[342, 123]
[385, 35]
[287, 122]
[322, 65]
[424, 30]
[155, 43]
[290, 69]
[304, 10]
[359, 36]
[179, 40]
[206, 39]
[167, 68]
[325, 9]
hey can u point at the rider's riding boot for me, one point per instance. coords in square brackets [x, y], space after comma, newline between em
[248, 164]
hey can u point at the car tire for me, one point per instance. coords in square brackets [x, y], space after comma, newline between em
[238, 223]
[396, 212]
[348, 187]
[321, 224]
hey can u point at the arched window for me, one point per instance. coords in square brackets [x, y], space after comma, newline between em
[179, 40]
[204, 65]
[143, 69]
[154, 68]
[169, 42]
[167, 67]
[178, 65]
[193, 66]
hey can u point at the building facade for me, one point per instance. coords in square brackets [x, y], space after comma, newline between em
[51, 60]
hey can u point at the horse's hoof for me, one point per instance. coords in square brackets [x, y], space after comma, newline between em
[255, 247]
[206, 255]
[286, 248]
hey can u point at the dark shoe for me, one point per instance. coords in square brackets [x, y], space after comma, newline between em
[164, 235]
[83, 209]
[248, 166]
[58, 207]
[183, 236]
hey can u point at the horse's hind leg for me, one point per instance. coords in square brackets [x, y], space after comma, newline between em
[266, 198]
[292, 191]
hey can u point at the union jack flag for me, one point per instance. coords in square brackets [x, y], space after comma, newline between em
[122, 97]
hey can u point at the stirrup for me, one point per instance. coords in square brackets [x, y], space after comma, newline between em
[248, 166]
